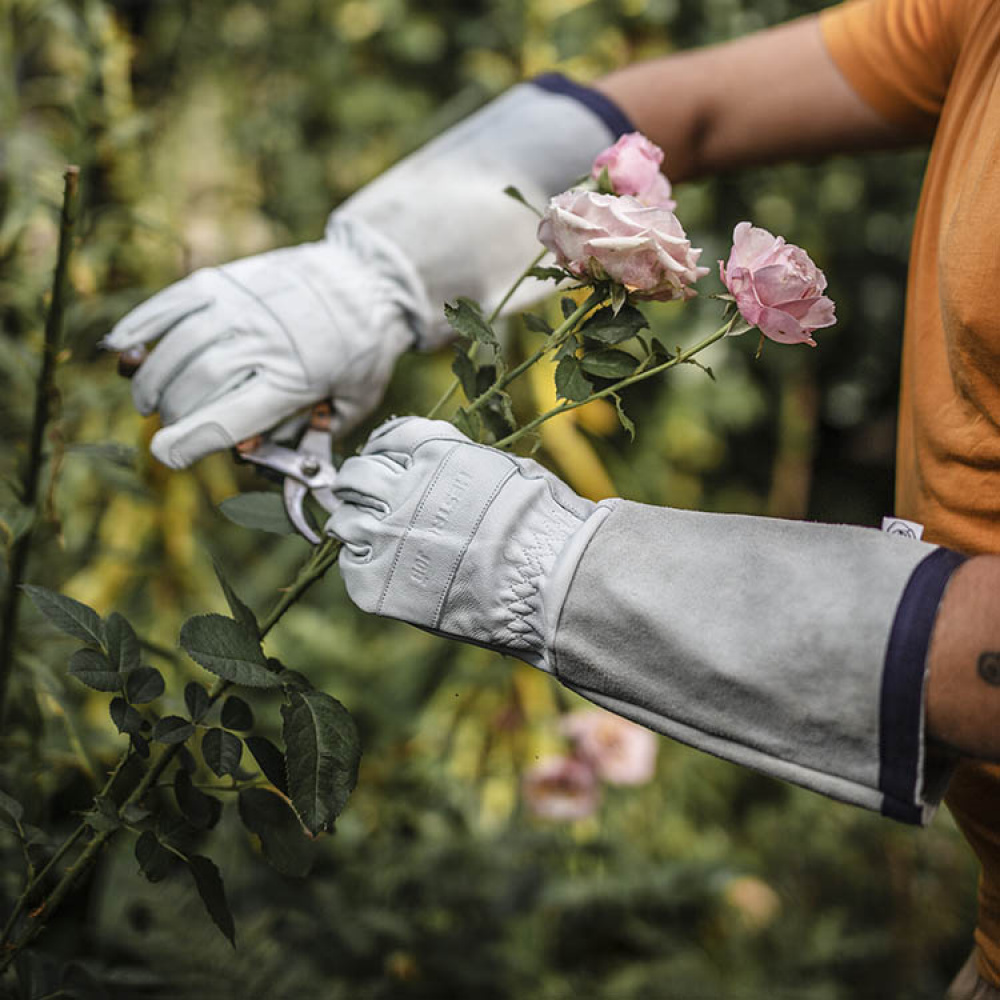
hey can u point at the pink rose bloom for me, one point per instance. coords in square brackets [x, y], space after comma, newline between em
[603, 236]
[621, 752]
[777, 287]
[561, 788]
[633, 164]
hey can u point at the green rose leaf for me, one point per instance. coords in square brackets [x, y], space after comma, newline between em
[548, 274]
[323, 752]
[71, 616]
[609, 363]
[103, 818]
[271, 761]
[623, 417]
[571, 383]
[467, 423]
[567, 306]
[197, 700]
[201, 810]
[611, 328]
[269, 817]
[93, 668]
[125, 717]
[172, 729]
[122, 642]
[536, 323]
[226, 649]
[155, 861]
[513, 192]
[466, 318]
[260, 511]
[222, 751]
[237, 714]
[144, 684]
[465, 371]
[208, 881]
[241, 613]
[11, 807]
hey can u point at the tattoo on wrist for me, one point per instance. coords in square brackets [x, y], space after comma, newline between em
[989, 667]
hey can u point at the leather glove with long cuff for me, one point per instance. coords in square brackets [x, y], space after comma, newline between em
[247, 345]
[795, 649]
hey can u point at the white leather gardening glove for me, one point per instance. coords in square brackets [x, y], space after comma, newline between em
[458, 538]
[792, 648]
[246, 345]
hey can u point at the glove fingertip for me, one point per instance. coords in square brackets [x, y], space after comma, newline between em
[177, 449]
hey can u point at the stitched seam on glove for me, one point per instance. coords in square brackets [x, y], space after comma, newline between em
[465, 548]
[524, 608]
[277, 319]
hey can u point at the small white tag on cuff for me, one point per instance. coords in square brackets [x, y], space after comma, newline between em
[900, 526]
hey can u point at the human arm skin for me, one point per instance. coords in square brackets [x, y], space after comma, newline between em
[770, 96]
[963, 688]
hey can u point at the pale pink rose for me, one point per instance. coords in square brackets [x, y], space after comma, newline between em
[777, 287]
[621, 752]
[633, 164]
[615, 236]
[561, 788]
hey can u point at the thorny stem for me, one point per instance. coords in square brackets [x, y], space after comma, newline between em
[451, 390]
[554, 340]
[638, 376]
[44, 391]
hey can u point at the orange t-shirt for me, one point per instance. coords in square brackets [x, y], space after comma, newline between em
[934, 65]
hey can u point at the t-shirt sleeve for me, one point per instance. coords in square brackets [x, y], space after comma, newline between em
[898, 55]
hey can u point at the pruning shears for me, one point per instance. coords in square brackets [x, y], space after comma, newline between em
[307, 468]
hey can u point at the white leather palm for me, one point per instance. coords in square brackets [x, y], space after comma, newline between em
[244, 346]
[453, 536]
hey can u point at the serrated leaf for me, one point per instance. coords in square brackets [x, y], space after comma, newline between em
[74, 618]
[536, 323]
[609, 328]
[237, 714]
[103, 818]
[139, 744]
[155, 861]
[122, 643]
[271, 761]
[571, 383]
[197, 700]
[241, 613]
[468, 424]
[172, 729]
[569, 346]
[201, 810]
[567, 306]
[322, 753]
[222, 751]
[12, 807]
[548, 273]
[270, 818]
[133, 813]
[227, 650]
[512, 192]
[466, 318]
[623, 417]
[92, 667]
[144, 684]
[465, 371]
[260, 511]
[208, 881]
[609, 363]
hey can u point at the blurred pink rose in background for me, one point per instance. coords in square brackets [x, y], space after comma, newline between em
[777, 287]
[621, 752]
[616, 236]
[633, 164]
[561, 788]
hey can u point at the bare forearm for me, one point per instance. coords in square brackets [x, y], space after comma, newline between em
[963, 688]
[771, 96]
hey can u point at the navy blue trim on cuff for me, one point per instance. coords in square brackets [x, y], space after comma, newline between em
[614, 118]
[901, 701]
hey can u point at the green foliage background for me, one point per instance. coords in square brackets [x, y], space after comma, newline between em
[209, 129]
